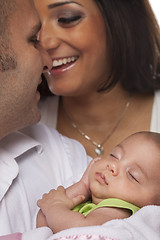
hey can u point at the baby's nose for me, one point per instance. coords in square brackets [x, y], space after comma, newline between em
[113, 168]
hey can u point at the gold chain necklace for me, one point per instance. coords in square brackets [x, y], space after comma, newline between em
[99, 147]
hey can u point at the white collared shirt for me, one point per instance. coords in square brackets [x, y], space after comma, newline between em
[32, 162]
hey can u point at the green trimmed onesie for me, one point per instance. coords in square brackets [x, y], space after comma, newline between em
[86, 208]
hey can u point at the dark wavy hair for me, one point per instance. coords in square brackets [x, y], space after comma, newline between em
[134, 38]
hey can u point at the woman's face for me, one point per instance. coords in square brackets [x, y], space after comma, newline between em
[74, 34]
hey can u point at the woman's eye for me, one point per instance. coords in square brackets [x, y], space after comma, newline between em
[69, 20]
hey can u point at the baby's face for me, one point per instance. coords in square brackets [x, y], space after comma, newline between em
[130, 172]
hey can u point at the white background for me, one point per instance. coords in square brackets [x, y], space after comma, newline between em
[156, 8]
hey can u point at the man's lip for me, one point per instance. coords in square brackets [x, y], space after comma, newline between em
[40, 80]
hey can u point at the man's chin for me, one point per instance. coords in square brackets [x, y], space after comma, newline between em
[33, 118]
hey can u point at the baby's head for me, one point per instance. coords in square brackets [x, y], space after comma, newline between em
[130, 172]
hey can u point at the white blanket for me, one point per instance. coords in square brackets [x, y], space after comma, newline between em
[144, 225]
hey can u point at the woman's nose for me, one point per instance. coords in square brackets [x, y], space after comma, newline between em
[113, 168]
[48, 38]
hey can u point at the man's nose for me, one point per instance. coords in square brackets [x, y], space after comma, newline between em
[47, 61]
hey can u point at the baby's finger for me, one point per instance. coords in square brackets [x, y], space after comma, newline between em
[96, 159]
[93, 161]
[39, 203]
[78, 199]
[61, 189]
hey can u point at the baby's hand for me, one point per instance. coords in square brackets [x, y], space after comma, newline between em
[85, 176]
[58, 198]
[41, 220]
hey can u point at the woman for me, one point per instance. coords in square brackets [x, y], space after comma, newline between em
[106, 68]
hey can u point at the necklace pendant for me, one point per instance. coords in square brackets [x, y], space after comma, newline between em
[99, 150]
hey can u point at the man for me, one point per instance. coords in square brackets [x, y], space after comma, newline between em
[22, 61]
[37, 158]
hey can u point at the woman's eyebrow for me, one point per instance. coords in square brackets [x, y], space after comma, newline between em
[53, 5]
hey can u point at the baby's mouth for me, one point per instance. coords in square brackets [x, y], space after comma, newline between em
[101, 178]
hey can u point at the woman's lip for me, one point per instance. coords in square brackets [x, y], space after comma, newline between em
[61, 58]
[100, 177]
[62, 68]
[58, 62]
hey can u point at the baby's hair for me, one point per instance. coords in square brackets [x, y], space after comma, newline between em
[155, 136]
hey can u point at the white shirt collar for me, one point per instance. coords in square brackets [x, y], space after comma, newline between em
[18, 143]
[11, 147]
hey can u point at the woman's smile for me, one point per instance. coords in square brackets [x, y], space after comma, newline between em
[61, 65]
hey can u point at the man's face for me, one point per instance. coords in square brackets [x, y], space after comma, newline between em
[18, 83]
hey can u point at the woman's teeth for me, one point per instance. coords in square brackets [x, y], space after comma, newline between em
[57, 63]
